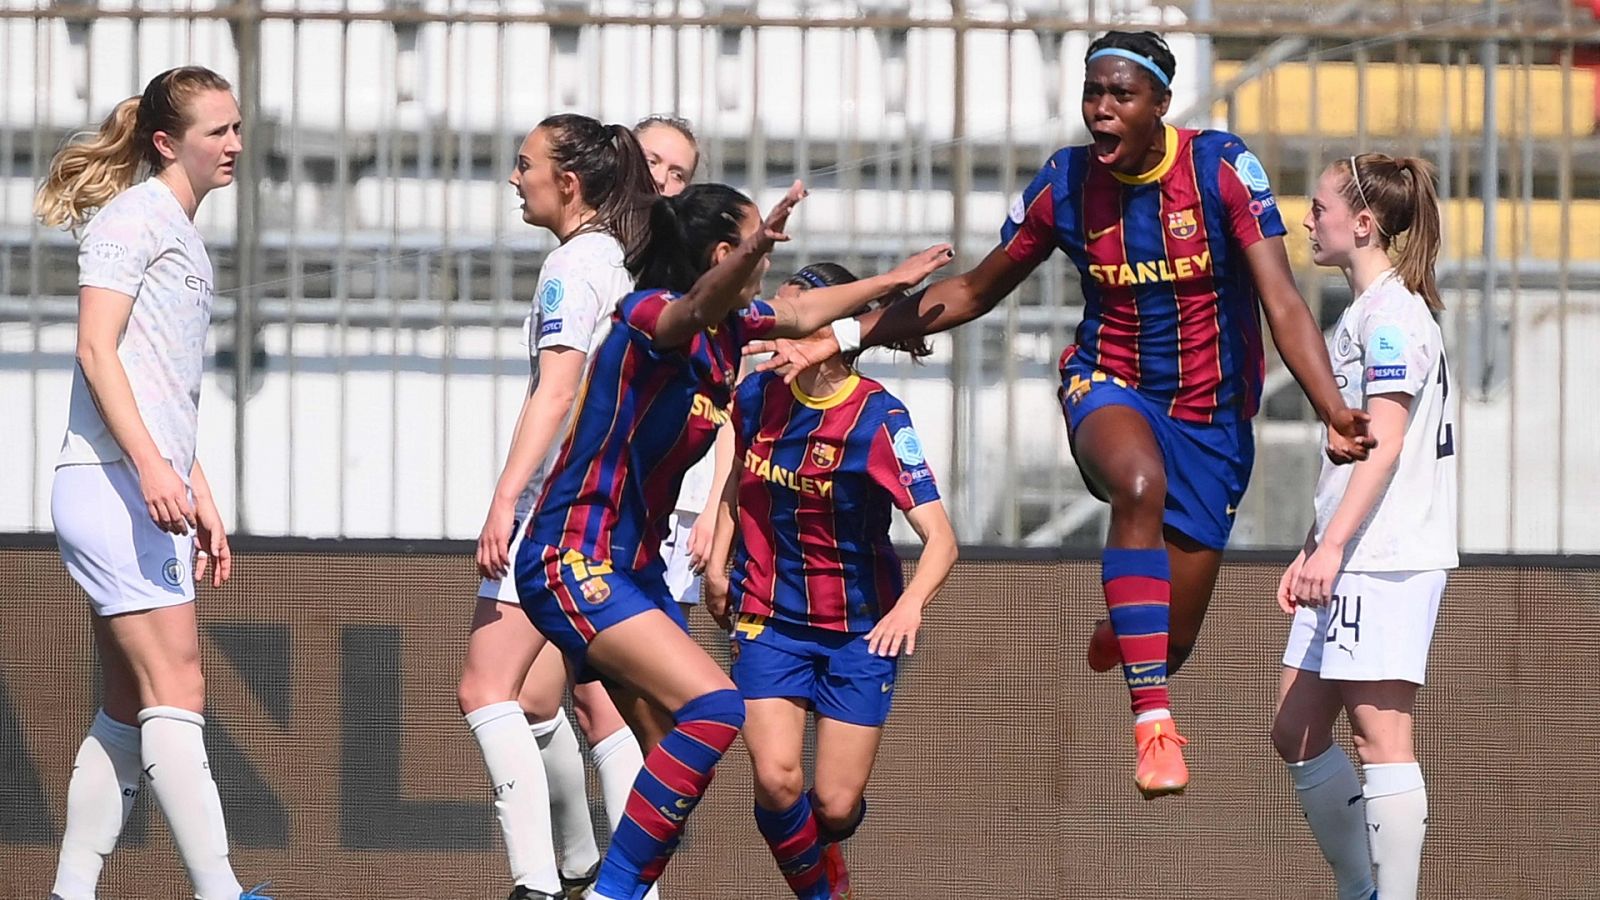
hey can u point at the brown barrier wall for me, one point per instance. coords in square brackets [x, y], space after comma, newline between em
[1005, 772]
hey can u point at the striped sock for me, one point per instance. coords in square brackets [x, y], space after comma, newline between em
[675, 776]
[797, 846]
[1138, 586]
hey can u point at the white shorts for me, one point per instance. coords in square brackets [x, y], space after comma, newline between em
[681, 577]
[111, 547]
[1378, 628]
[505, 589]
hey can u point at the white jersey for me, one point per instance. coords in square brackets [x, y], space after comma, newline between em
[142, 244]
[579, 286]
[1388, 342]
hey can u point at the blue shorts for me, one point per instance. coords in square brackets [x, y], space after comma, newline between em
[832, 671]
[1208, 465]
[571, 598]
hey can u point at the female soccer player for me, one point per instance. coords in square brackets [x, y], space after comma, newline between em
[1365, 589]
[672, 156]
[589, 185]
[133, 513]
[1177, 238]
[589, 570]
[822, 610]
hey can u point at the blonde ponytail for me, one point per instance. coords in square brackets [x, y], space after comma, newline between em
[1400, 194]
[87, 173]
[1415, 259]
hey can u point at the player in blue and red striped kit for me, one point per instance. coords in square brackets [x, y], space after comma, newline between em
[589, 573]
[822, 610]
[1178, 244]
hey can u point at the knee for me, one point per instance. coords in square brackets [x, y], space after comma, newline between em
[475, 692]
[838, 810]
[539, 701]
[182, 686]
[1140, 491]
[778, 783]
[1380, 749]
[1294, 742]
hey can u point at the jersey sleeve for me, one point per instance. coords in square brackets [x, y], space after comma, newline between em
[641, 312]
[570, 304]
[1396, 354]
[754, 322]
[745, 414]
[115, 252]
[1252, 210]
[897, 462]
[1029, 232]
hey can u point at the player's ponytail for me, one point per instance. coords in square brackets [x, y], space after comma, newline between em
[684, 230]
[1400, 195]
[1420, 251]
[613, 179]
[830, 274]
[91, 170]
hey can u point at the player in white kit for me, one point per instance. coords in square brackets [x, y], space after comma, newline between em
[672, 156]
[589, 185]
[133, 513]
[1365, 590]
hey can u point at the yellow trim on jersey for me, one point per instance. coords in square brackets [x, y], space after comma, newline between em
[1161, 168]
[830, 401]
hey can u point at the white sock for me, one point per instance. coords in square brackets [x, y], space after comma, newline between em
[1330, 795]
[1397, 819]
[105, 782]
[521, 797]
[569, 795]
[617, 760]
[175, 765]
[1152, 715]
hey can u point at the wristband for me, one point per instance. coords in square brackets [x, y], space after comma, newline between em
[848, 333]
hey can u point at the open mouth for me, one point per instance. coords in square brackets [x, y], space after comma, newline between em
[1106, 145]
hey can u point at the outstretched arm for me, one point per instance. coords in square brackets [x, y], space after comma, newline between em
[716, 293]
[1300, 344]
[824, 305]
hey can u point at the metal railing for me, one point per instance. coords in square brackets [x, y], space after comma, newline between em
[375, 273]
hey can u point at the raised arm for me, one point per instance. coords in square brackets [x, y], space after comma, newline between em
[717, 292]
[1301, 346]
[821, 306]
[949, 303]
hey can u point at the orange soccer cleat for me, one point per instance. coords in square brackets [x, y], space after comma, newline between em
[838, 873]
[1161, 769]
[1105, 653]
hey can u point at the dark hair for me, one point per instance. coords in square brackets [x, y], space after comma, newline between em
[613, 178]
[831, 274]
[1400, 193]
[90, 171]
[678, 124]
[685, 229]
[1147, 44]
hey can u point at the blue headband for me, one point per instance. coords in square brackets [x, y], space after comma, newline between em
[809, 277]
[1135, 57]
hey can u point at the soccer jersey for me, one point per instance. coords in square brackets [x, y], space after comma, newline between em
[142, 244]
[579, 285]
[1169, 303]
[818, 478]
[1387, 342]
[645, 416]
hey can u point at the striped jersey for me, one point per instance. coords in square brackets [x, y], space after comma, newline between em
[644, 417]
[818, 480]
[1169, 302]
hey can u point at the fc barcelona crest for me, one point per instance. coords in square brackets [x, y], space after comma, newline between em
[1182, 224]
[823, 456]
[595, 591]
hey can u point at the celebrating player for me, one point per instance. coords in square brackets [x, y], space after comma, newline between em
[1177, 238]
[822, 610]
[589, 185]
[133, 512]
[589, 570]
[672, 156]
[1365, 589]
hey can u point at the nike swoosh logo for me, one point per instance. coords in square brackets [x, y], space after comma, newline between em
[1141, 669]
[886, 688]
[1097, 235]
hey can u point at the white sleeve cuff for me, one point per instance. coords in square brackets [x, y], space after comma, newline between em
[848, 333]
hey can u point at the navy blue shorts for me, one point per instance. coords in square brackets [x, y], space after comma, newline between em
[1208, 465]
[571, 598]
[831, 671]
